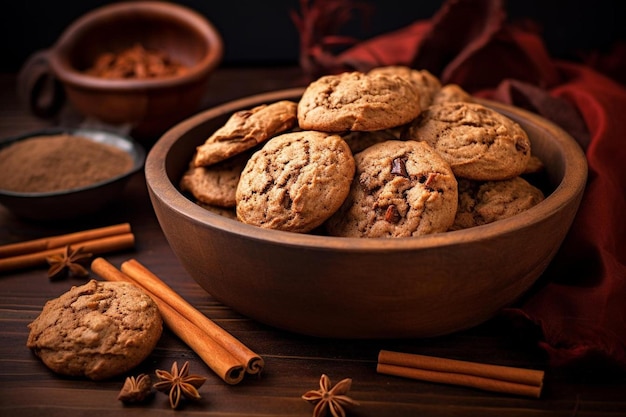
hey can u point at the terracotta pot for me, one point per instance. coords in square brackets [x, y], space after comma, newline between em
[146, 107]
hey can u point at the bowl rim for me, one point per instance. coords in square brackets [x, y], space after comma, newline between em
[132, 147]
[571, 186]
[67, 74]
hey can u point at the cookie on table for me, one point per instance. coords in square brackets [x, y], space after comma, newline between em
[485, 202]
[478, 142]
[426, 83]
[452, 93]
[295, 182]
[215, 184]
[354, 101]
[97, 330]
[246, 129]
[400, 189]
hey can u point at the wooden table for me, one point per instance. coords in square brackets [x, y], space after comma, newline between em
[294, 363]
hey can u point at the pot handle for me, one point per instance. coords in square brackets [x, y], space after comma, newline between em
[38, 89]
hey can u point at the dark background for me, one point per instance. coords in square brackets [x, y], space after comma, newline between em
[258, 32]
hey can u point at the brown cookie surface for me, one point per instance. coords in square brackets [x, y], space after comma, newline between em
[478, 142]
[215, 184]
[358, 141]
[295, 182]
[426, 83]
[452, 93]
[485, 202]
[400, 189]
[246, 129]
[354, 101]
[97, 330]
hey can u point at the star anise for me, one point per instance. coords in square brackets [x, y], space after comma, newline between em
[179, 383]
[68, 263]
[333, 399]
[136, 389]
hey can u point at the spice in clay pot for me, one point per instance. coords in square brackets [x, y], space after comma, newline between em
[59, 162]
[136, 62]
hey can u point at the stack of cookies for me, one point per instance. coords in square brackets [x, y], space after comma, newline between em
[388, 153]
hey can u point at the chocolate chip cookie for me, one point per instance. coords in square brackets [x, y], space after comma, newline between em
[246, 129]
[400, 189]
[485, 202]
[478, 142]
[356, 101]
[358, 141]
[452, 93]
[295, 182]
[97, 330]
[215, 184]
[426, 83]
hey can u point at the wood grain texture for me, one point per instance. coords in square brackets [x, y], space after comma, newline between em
[294, 363]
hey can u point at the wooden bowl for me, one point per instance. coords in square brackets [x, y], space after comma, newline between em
[147, 106]
[364, 288]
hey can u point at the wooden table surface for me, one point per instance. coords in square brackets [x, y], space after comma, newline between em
[293, 363]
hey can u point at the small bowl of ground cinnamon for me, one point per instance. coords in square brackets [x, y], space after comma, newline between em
[60, 174]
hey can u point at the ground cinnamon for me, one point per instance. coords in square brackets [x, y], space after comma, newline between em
[59, 162]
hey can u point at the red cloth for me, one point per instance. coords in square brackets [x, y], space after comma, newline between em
[579, 304]
[582, 310]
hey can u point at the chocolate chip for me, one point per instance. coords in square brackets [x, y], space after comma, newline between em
[398, 167]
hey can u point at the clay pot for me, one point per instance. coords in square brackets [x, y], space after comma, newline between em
[143, 107]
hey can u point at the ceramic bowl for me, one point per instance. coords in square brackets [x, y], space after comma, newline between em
[364, 288]
[77, 202]
[147, 106]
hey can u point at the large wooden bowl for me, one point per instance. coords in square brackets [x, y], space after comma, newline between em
[364, 288]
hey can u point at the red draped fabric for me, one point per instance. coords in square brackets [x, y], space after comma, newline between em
[579, 305]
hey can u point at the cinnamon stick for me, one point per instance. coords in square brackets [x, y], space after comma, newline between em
[38, 245]
[222, 362]
[510, 380]
[146, 279]
[95, 246]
